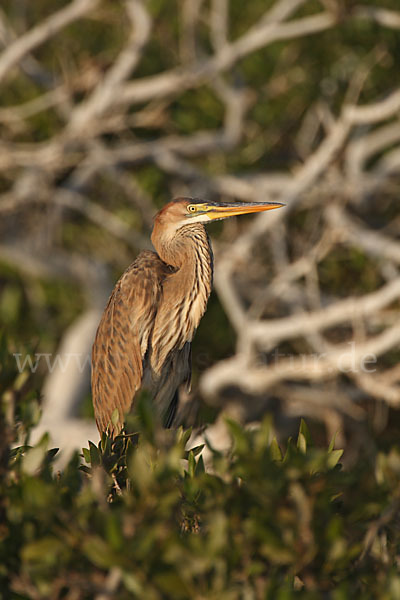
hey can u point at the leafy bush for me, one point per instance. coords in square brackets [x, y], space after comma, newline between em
[143, 518]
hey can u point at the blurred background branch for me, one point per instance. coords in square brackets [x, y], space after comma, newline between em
[107, 110]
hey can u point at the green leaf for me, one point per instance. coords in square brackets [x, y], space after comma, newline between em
[106, 443]
[139, 470]
[332, 442]
[200, 468]
[85, 469]
[303, 429]
[172, 584]
[99, 552]
[191, 464]
[132, 584]
[275, 451]
[238, 434]
[95, 456]
[52, 452]
[290, 451]
[35, 456]
[302, 443]
[115, 417]
[183, 436]
[18, 451]
[86, 455]
[196, 450]
[333, 458]
[46, 550]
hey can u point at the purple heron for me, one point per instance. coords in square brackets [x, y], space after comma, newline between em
[144, 337]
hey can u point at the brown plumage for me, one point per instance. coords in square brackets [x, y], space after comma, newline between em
[144, 337]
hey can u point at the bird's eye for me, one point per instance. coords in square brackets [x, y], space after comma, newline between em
[191, 208]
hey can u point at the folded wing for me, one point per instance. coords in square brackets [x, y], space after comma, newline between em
[122, 339]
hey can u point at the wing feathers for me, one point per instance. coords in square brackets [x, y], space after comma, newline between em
[122, 338]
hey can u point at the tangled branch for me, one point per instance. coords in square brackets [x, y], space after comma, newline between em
[108, 119]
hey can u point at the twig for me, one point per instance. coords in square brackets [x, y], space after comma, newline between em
[256, 380]
[42, 32]
[106, 92]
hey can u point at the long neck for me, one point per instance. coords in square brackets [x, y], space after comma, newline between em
[185, 292]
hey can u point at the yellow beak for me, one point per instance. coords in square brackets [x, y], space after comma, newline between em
[224, 210]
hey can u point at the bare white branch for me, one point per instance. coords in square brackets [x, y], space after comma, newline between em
[42, 32]
[341, 359]
[103, 96]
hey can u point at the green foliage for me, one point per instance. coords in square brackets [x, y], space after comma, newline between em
[141, 516]
[143, 512]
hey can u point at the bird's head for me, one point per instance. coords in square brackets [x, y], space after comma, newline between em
[185, 211]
